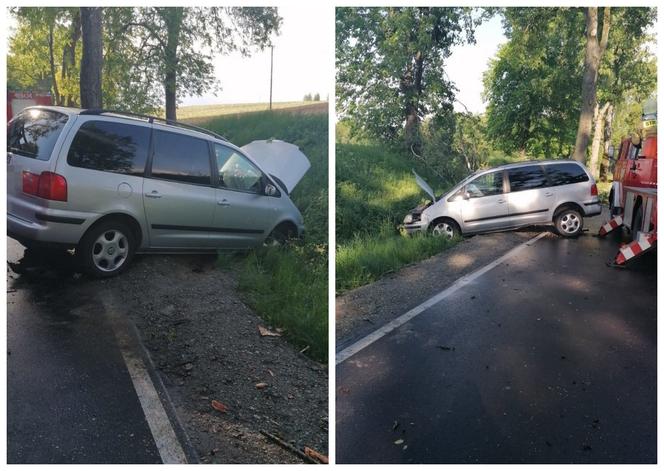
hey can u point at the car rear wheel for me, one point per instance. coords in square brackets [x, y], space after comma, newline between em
[106, 249]
[445, 228]
[569, 222]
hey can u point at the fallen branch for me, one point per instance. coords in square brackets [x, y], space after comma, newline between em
[288, 446]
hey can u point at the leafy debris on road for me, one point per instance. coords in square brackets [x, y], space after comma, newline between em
[446, 348]
[216, 405]
[265, 332]
[261, 385]
[315, 455]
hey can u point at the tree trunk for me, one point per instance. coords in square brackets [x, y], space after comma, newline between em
[598, 134]
[608, 133]
[91, 62]
[594, 50]
[173, 21]
[411, 83]
[51, 59]
[69, 54]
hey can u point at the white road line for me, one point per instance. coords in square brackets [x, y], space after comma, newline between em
[364, 342]
[168, 445]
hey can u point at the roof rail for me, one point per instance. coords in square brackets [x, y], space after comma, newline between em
[151, 119]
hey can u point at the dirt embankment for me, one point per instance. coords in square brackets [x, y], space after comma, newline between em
[206, 344]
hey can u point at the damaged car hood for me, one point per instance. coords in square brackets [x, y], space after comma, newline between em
[280, 159]
[425, 186]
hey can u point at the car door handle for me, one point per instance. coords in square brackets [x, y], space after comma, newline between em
[154, 194]
[223, 202]
[500, 201]
[548, 193]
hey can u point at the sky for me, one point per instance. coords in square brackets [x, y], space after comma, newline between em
[303, 62]
[467, 64]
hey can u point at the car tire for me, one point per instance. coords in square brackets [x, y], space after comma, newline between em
[569, 222]
[106, 249]
[280, 236]
[445, 228]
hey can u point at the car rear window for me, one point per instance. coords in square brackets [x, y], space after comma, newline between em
[527, 178]
[34, 132]
[110, 147]
[181, 158]
[565, 174]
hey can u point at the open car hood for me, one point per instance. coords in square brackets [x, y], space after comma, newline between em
[424, 185]
[280, 159]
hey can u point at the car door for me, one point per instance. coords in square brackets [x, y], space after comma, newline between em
[484, 206]
[530, 198]
[243, 214]
[178, 193]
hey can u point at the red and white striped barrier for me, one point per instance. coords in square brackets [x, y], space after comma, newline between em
[614, 223]
[633, 249]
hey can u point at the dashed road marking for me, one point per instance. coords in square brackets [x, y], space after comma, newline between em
[364, 342]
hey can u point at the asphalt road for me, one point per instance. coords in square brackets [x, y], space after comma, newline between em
[550, 357]
[70, 398]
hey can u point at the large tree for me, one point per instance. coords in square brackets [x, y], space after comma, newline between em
[390, 66]
[150, 55]
[91, 62]
[177, 44]
[597, 38]
[531, 85]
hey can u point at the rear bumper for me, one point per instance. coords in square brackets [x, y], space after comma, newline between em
[48, 227]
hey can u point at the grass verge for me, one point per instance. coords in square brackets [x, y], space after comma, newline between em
[288, 286]
[375, 190]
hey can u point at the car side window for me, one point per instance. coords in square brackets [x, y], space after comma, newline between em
[565, 174]
[488, 184]
[34, 132]
[527, 178]
[236, 172]
[181, 158]
[111, 147]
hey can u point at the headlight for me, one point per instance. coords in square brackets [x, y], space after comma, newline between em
[408, 219]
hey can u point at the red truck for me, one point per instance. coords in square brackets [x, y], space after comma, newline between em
[633, 196]
[16, 101]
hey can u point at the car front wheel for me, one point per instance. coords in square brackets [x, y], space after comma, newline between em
[106, 249]
[445, 228]
[569, 222]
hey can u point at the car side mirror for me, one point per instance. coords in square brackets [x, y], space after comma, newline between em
[466, 195]
[270, 190]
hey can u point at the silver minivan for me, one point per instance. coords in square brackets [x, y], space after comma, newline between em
[112, 184]
[558, 192]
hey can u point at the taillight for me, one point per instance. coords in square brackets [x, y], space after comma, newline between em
[48, 185]
[30, 183]
[593, 190]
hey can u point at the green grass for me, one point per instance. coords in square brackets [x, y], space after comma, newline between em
[288, 286]
[200, 114]
[375, 190]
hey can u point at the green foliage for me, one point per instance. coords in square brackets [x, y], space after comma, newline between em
[533, 86]
[390, 64]
[375, 189]
[289, 286]
[137, 53]
[365, 259]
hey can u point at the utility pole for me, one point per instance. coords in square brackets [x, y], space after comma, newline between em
[271, 66]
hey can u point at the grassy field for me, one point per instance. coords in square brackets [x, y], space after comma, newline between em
[375, 190]
[288, 286]
[201, 113]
